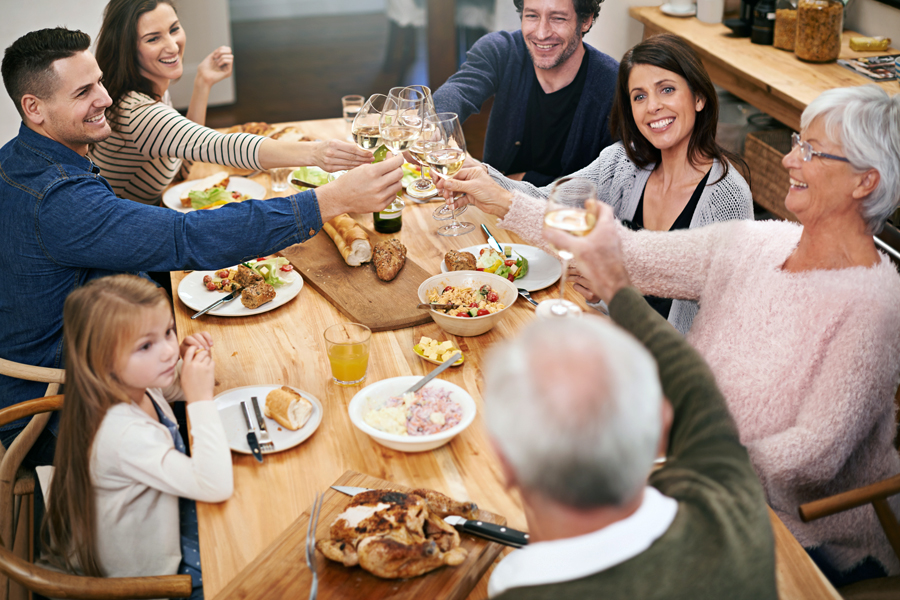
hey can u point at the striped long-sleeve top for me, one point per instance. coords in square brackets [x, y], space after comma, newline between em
[144, 155]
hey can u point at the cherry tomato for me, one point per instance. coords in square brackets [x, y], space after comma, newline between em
[287, 268]
[509, 263]
[211, 286]
[206, 279]
[479, 268]
[463, 314]
[483, 250]
[448, 288]
[492, 297]
[223, 273]
[483, 311]
[473, 305]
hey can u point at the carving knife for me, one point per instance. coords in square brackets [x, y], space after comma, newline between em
[251, 433]
[489, 531]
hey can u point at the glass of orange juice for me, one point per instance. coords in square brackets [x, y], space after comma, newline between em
[348, 352]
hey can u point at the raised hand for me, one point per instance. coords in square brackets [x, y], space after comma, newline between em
[337, 155]
[216, 67]
[369, 188]
[479, 189]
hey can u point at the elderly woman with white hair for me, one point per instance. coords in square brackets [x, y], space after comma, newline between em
[799, 323]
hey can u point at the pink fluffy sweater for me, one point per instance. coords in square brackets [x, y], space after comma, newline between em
[808, 363]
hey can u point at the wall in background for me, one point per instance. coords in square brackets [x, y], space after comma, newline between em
[205, 21]
[259, 10]
[873, 18]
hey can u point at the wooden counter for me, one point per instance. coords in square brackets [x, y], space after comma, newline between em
[774, 81]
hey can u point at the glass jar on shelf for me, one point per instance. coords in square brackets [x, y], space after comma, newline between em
[785, 24]
[819, 27]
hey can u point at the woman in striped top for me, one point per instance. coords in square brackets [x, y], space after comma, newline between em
[140, 50]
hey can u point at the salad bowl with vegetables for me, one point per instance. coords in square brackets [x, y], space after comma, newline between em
[483, 300]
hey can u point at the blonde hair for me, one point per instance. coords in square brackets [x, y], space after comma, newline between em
[100, 319]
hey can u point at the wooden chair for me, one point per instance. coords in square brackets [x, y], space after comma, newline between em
[60, 585]
[877, 495]
[22, 482]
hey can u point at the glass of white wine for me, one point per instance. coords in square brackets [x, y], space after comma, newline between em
[422, 189]
[350, 105]
[445, 154]
[565, 211]
[401, 124]
[366, 129]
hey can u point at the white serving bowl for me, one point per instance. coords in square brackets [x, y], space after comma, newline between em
[469, 326]
[381, 390]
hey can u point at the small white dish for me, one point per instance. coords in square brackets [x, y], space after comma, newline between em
[172, 197]
[672, 11]
[195, 296]
[229, 405]
[543, 269]
[379, 391]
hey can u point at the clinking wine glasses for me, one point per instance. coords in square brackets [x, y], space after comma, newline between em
[445, 153]
[422, 189]
[366, 129]
[565, 211]
[401, 123]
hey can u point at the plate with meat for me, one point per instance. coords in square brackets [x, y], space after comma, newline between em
[291, 415]
[543, 270]
[206, 195]
[265, 285]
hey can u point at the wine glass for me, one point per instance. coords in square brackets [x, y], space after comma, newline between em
[401, 124]
[366, 129]
[422, 188]
[351, 105]
[565, 211]
[445, 154]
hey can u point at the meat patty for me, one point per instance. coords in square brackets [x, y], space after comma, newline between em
[390, 256]
[459, 261]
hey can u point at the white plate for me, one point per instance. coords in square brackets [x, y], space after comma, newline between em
[172, 197]
[229, 405]
[689, 11]
[194, 294]
[543, 269]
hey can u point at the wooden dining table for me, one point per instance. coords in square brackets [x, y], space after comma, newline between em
[285, 346]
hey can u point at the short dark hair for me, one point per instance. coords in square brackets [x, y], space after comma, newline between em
[28, 62]
[116, 54]
[671, 53]
[583, 9]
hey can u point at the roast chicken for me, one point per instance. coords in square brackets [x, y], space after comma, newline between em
[395, 535]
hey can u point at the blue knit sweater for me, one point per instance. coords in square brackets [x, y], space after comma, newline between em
[499, 65]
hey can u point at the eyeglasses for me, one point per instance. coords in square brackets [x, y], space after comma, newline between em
[807, 151]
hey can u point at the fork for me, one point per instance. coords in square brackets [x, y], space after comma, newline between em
[265, 442]
[525, 294]
[311, 544]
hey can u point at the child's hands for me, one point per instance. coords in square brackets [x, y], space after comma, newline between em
[201, 340]
[198, 375]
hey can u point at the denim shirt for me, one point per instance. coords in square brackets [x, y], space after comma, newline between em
[62, 225]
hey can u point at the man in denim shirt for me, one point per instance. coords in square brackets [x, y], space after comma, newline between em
[63, 225]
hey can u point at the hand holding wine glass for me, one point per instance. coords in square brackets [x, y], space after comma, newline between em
[422, 189]
[566, 212]
[445, 154]
[366, 128]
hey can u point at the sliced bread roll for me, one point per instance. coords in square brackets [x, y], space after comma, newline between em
[289, 408]
[351, 240]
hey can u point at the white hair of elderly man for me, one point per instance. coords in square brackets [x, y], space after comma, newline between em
[575, 407]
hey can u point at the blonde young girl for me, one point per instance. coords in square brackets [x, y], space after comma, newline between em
[122, 496]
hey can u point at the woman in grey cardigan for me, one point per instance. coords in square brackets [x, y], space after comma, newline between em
[667, 172]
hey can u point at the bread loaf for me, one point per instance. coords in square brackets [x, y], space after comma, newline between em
[288, 408]
[351, 240]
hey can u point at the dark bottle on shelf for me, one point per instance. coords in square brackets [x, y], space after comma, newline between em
[763, 31]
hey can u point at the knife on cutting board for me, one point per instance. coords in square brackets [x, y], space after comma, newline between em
[489, 531]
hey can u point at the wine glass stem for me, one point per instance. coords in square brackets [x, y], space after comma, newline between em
[560, 308]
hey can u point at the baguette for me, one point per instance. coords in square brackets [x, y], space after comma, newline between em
[288, 408]
[351, 240]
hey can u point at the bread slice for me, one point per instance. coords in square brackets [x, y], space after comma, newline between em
[288, 408]
[351, 240]
[219, 179]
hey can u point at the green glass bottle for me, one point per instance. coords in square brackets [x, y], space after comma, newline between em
[390, 220]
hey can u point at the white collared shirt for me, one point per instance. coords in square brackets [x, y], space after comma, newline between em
[545, 563]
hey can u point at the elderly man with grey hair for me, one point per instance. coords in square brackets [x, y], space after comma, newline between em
[800, 323]
[577, 427]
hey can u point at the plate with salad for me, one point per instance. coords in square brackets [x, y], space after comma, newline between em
[530, 268]
[238, 190]
[199, 289]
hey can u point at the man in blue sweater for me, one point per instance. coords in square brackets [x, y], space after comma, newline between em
[552, 92]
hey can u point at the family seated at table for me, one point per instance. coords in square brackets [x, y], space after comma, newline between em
[799, 323]
[140, 50]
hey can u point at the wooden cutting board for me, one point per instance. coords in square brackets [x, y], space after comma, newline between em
[280, 571]
[356, 291]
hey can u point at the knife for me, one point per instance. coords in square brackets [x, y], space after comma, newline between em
[251, 434]
[492, 241]
[489, 531]
[220, 301]
[418, 385]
